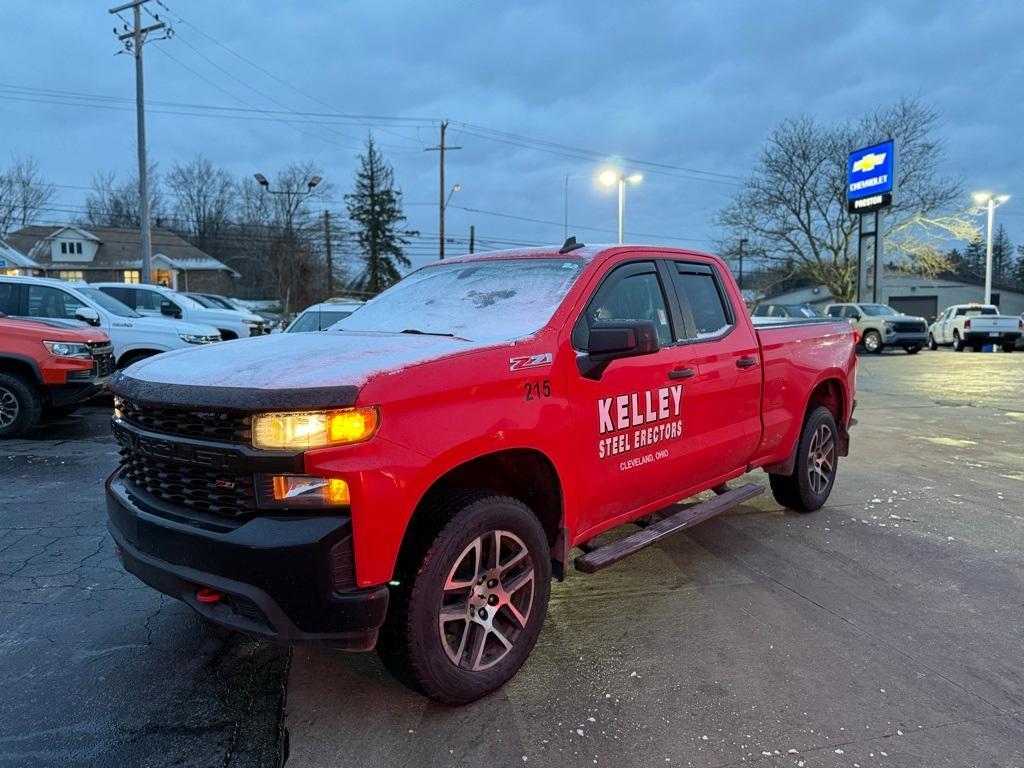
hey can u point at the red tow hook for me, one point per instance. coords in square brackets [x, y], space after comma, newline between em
[207, 595]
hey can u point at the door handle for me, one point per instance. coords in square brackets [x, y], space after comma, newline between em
[681, 373]
[746, 362]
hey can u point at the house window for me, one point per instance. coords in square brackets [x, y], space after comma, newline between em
[71, 274]
[67, 248]
[163, 277]
[63, 247]
[78, 247]
[132, 276]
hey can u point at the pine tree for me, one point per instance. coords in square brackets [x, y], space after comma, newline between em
[1002, 255]
[375, 208]
[1019, 276]
[974, 259]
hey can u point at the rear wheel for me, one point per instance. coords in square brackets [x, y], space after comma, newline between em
[873, 342]
[931, 343]
[20, 405]
[471, 602]
[958, 344]
[808, 487]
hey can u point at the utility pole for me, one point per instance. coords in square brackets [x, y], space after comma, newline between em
[442, 203]
[566, 217]
[472, 237]
[133, 40]
[327, 247]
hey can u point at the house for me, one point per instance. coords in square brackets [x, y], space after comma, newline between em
[921, 296]
[14, 262]
[96, 254]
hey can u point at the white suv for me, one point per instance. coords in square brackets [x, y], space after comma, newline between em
[133, 336]
[157, 301]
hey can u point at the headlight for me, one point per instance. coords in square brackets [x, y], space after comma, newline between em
[67, 349]
[313, 429]
[195, 338]
[301, 491]
[888, 325]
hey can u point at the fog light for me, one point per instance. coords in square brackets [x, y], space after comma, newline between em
[302, 491]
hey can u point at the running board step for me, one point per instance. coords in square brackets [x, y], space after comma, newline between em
[609, 554]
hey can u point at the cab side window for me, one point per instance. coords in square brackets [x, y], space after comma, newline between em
[835, 312]
[44, 301]
[124, 295]
[850, 313]
[9, 298]
[147, 299]
[630, 292]
[702, 301]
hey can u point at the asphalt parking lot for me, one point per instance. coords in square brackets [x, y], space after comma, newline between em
[886, 629]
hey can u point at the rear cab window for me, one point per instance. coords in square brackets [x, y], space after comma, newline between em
[707, 314]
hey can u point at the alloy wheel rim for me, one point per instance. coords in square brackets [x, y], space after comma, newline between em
[871, 342]
[9, 407]
[821, 458]
[486, 601]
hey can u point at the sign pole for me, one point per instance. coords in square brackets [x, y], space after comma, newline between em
[879, 273]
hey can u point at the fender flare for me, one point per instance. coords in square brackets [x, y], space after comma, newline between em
[32, 364]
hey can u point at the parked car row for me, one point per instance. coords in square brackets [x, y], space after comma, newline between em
[960, 326]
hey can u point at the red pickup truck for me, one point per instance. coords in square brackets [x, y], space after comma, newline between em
[48, 366]
[413, 477]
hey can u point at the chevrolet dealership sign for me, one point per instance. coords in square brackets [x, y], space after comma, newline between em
[870, 175]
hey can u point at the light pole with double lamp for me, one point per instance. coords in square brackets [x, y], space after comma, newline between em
[612, 176]
[991, 202]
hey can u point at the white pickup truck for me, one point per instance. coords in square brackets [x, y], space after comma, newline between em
[974, 326]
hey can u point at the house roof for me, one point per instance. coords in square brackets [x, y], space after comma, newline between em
[117, 248]
[12, 257]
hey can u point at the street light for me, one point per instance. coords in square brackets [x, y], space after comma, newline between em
[611, 177]
[455, 188]
[991, 202]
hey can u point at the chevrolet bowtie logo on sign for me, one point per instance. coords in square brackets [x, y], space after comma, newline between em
[870, 176]
[869, 161]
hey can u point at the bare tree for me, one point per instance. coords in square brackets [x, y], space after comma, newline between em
[24, 194]
[792, 207]
[111, 204]
[202, 203]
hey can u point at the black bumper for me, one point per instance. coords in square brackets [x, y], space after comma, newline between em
[982, 337]
[72, 394]
[277, 576]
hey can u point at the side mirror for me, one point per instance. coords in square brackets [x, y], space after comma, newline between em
[169, 308]
[88, 315]
[616, 340]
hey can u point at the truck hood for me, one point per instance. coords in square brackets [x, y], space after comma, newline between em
[53, 329]
[282, 371]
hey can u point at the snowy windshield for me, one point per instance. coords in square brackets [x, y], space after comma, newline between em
[875, 310]
[479, 301]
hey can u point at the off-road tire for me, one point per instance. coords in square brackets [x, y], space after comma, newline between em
[875, 347]
[931, 343]
[797, 490]
[20, 404]
[410, 642]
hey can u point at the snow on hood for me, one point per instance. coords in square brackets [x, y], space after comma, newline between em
[295, 360]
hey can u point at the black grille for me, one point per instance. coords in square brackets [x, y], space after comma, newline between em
[909, 327]
[103, 358]
[222, 427]
[191, 486]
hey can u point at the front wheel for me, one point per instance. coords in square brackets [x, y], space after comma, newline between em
[20, 405]
[873, 342]
[808, 487]
[470, 604]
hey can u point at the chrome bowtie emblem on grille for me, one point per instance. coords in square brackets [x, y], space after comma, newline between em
[225, 484]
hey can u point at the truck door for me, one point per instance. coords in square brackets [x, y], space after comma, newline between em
[630, 436]
[724, 397]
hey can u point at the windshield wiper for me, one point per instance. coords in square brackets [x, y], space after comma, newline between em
[418, 332]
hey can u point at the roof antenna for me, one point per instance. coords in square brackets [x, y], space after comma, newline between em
[570, 245]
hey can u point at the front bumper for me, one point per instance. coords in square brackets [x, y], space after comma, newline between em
[74, 393]
[278, 576]
[906, 339]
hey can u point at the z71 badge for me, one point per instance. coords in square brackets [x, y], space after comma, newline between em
[530, 361]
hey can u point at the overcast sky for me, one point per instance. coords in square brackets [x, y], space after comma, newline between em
[694, 85]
